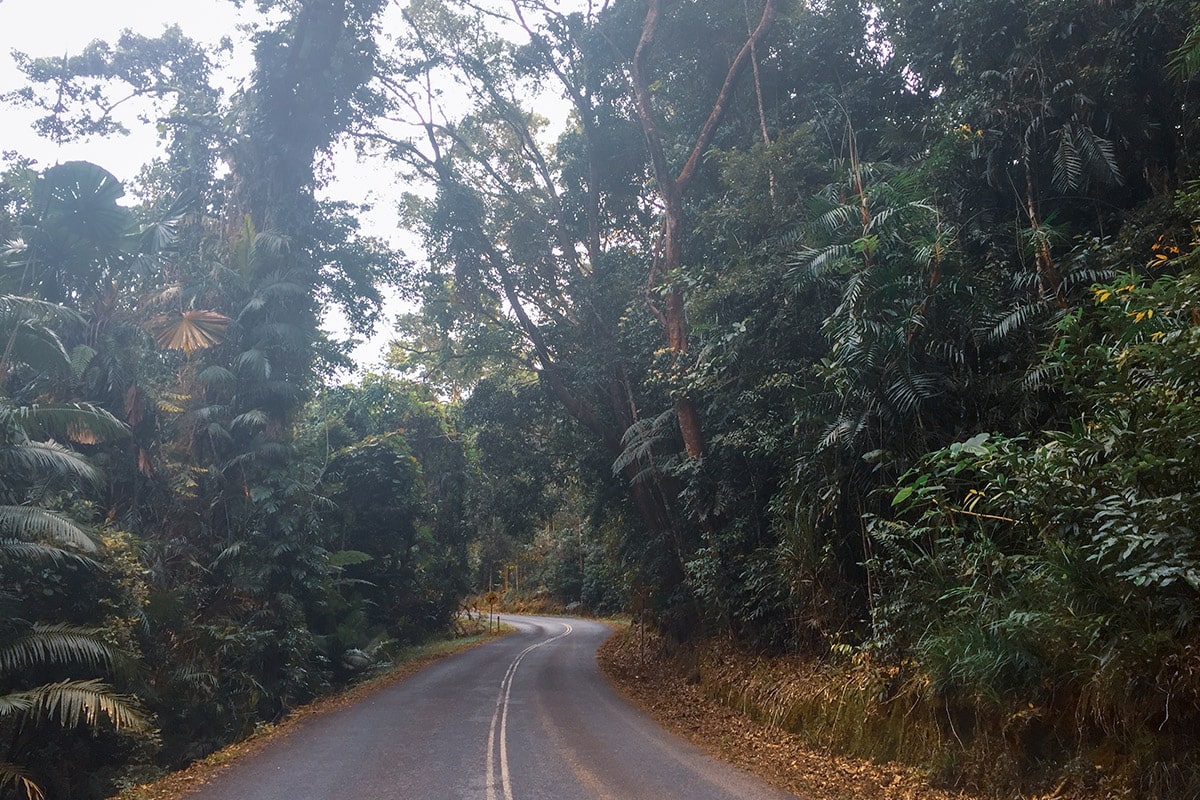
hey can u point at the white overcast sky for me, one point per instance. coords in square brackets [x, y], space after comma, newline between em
[62, 27]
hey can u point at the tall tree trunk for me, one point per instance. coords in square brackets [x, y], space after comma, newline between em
[673, 188]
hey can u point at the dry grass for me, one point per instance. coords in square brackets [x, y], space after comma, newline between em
[862, 735]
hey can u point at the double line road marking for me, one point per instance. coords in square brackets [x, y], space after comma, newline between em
[497, 749]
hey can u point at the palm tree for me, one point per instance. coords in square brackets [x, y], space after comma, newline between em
[35, 466]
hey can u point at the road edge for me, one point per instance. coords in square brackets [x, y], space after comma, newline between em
[179, 783]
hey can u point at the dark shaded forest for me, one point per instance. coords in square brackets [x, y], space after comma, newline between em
[865, 331]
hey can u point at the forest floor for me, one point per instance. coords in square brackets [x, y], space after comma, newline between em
[663, 687]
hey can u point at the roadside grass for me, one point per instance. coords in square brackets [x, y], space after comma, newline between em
[409, 660]
[865, 731]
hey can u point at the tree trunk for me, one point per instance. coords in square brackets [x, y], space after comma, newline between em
[673, 188]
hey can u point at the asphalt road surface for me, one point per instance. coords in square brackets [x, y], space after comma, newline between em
[524, 717]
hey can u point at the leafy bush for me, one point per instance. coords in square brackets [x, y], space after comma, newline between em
[1064, 569]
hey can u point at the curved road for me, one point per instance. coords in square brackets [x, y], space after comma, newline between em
[524, 717]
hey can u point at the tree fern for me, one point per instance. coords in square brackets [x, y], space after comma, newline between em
[638, 443]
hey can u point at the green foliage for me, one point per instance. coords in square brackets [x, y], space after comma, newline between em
[1064, 569]
[925, 421]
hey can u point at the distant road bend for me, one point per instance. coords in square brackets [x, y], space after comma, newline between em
[525, 717]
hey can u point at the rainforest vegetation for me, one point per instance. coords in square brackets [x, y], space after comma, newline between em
[867, 331]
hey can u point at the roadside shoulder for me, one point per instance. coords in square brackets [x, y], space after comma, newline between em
[669, 693]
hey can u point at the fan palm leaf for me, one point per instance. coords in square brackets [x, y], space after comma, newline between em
[189, 331]
[84, 197]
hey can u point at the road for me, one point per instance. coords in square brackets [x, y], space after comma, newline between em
[524, 717]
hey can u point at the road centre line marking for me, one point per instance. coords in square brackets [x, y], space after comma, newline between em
[499, 726]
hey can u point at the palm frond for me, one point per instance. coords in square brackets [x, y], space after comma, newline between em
[47, 460]
[252, 420]
[78, 422]
[30, 308]
[1041, 376]
[253, 364]
[32, 523]
[1101, 157]
[271, 392]
[32, 343]
[21, 780]
[214, 376]
[217, 434]
[908, 391]
[1068, 163]
[230, 552]
[75, 702]
[213, 413]
[164, 232]
[20, 550]
[81, 358]
[85, 197]
[1018, 318]
[56, 644]
[1184, 63]
[280, 334]
[838, 217]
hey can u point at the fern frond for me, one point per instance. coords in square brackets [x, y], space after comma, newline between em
[639, 439]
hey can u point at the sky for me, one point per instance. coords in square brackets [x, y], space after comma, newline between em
[62, 27]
